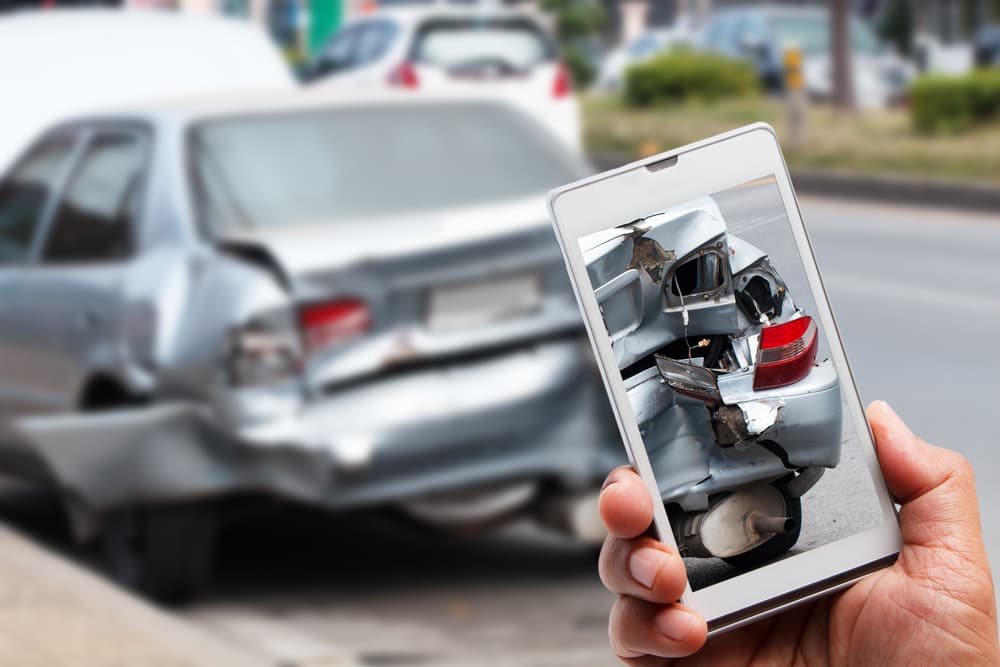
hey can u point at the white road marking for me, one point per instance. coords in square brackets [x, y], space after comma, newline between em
[754, 223]
[880, 288]
[895, 214]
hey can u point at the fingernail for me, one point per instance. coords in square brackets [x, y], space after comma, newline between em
[675, 624]
[895, 417]
[644, 564]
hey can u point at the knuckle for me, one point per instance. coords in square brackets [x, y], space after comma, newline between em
[621, 624]
[612, 565]
[961, 466]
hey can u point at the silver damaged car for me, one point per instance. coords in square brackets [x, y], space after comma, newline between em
[738, 416]
[340, 303]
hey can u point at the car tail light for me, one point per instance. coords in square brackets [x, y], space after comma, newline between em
[263, 351]
[327, 324]
[405, 76]
[561, 85]
[787, 352]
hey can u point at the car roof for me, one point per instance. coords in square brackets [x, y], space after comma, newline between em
[774, 10]
[67, 22]
[411, 15]
[186, 110]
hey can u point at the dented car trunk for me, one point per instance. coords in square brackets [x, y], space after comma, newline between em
[432, 286]
[719, 364]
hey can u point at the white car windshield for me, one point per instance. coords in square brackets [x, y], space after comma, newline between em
[322, 167]
[811, 33]
[458, 44]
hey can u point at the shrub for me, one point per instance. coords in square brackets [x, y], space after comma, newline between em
[954, 103]
[679, 76]
[580, 68]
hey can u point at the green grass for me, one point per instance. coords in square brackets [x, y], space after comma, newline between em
[878, 142]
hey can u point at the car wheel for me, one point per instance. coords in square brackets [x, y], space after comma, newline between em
[779, 542]
[163, 552]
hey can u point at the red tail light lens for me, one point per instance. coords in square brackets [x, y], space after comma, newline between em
[561, 85]
[327, 324]
[787, 352]
[404, 76]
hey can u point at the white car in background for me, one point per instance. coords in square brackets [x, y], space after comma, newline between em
[63, 62]
[649, 44]
[480, 50]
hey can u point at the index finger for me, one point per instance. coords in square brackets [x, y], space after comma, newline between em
[625, 504]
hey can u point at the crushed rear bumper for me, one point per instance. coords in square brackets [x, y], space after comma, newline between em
[536, 411]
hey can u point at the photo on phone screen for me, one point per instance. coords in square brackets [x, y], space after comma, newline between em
[727, 369]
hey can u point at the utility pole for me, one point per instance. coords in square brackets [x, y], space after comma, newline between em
[843, 79]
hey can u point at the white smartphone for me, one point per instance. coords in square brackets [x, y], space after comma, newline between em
[727, 375]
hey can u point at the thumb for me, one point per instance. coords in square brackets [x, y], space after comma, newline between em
[943, 546]
[911, 467]
[935, 486]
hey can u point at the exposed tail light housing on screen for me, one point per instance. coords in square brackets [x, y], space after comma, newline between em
[327, 324]
[266, 350]
[404, 75]
[787, 353]
[562, 85]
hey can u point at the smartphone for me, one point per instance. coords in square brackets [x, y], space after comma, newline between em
[726, 374]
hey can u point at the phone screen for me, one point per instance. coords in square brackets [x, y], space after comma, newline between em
[727, 369]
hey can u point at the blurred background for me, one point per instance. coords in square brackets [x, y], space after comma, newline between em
[286, 342]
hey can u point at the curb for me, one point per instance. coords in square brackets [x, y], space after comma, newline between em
[53, 612]
[892, 189]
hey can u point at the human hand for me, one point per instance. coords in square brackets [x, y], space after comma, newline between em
[934, 606]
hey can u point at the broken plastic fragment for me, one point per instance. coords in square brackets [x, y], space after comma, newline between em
[761, 415]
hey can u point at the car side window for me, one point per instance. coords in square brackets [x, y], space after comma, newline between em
[752, 33]
[374, 41]
[717, 33]
[26, 191]
[100, 205]
[339, 53]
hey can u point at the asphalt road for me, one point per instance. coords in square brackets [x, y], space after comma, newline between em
[915, 293]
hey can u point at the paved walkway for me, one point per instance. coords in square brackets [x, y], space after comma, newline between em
[54, 614]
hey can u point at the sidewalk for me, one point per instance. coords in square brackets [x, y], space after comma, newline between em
[54, 614]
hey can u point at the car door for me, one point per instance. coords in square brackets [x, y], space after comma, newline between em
[26, 198]
[68, 299]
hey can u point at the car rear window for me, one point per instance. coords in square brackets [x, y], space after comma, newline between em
[466, 43]
[339, 165]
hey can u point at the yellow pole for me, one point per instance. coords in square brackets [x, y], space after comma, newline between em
[795, 94]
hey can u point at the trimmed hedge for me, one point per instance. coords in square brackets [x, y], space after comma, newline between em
[679, 76]
[954, 103]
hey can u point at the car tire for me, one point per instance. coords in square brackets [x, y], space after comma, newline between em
[779, 543]
[165, 553]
